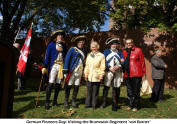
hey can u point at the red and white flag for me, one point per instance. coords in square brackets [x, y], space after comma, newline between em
[24, 54]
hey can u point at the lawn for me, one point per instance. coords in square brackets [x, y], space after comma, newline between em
[24, 105]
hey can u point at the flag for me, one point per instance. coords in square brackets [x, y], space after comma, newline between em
[24, 53]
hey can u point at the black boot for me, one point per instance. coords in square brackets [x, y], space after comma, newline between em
[57, 89]
[48, 94]
[47, 106]
[67, 93]
[114, 99]
[105, 94]
[75, 92]
[117, 94]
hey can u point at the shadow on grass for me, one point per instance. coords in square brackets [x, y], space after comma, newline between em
[28, 98]
[122, 101]
[31, 103]
[80, 101]
[146, 103]
[29, 106]
[23, 92]
[167, 96]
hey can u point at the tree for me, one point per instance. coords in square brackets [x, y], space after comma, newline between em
[49, 15]
[144, 14]
[70, 15]
[10, 23]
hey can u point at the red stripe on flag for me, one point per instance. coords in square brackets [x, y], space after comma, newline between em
[24, 54]
[21, 66]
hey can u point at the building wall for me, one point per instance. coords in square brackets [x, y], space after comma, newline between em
[146, 41]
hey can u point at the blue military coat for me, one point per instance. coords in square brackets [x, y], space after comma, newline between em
[52, 53]
[72, 59]
[107, 52]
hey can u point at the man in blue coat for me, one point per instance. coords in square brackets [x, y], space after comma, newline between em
[55, 53]
[73, 69]
[114, 74]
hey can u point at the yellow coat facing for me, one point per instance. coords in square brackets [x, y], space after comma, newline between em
[95, 67]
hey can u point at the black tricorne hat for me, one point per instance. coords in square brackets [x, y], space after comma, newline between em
[55, 33]
[79, 38]
[112, 40]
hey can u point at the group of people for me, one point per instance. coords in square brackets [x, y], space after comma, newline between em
[111, 67]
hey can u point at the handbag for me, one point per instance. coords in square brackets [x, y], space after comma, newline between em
[145, 88]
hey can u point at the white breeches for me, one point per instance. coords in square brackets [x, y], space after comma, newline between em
[115, 78]
[53, 74]
[75, 79]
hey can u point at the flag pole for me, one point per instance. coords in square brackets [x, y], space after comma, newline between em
[31, 24]
[19, 31]
[17, 34]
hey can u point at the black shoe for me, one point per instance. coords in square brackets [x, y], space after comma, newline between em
[88, 106]
[20, 88]
[161, 99]
[94, 107]
[102, 106]
[114, 108]
[47, 107]
[55, 103]
[66, 105]
[74, 104]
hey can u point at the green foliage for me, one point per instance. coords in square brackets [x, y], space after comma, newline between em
[50, 15]
[174, 27]
[144, 14]
[87, 15]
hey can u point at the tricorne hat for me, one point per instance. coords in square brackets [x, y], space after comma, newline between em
[78, 38]
[112, 40]
[55, 33]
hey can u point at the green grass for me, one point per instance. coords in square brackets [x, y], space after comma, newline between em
[24, 105]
